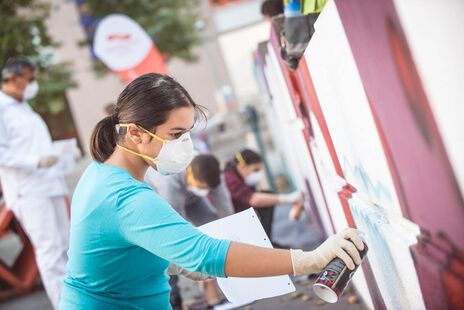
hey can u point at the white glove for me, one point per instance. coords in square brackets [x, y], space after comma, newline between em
[335, 246]
[47, 161]
[293, 197]
[174, 269]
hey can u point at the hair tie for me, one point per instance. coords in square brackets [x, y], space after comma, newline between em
[240, 159]
[114, 118]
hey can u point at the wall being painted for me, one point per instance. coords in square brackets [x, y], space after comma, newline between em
[437, 45]
[383, 136]
[358, 148]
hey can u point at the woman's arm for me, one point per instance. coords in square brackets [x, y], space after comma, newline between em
[263, 200]
[148, 221]
[245, 260]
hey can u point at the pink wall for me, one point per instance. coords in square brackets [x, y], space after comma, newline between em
[423, 177]
[411, 143]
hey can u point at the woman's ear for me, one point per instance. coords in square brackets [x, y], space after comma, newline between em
[134, 134]
[241, 168]
[189, 175]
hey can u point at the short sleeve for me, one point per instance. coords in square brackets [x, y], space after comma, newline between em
[148, 221]
[239, 191]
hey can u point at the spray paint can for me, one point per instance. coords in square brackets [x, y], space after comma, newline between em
[333, 280]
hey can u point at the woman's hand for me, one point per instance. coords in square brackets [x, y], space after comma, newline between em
[244, 260]
[335, 246]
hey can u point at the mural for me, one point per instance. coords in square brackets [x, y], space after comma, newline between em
[365, 110]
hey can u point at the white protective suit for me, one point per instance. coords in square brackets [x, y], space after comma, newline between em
[35, 195]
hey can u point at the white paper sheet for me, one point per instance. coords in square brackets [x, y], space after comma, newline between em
[66, 150]
[245, 227]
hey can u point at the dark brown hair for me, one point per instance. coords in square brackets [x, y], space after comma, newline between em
[272, 7]
[109, 108]
[147, 102]
[16, 66]
[250, 157]
[206, 168]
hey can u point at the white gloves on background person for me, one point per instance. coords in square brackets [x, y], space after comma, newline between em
[47, 161]
[335, 246]
[292, 197]
[174, 269]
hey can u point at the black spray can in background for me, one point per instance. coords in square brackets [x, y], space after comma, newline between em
[334, 279]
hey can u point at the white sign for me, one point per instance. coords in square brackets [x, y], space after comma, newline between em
[245, 227]
[67, 151]
[120, 42]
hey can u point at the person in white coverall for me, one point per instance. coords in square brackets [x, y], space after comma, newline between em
[200, 196]
[33, 188]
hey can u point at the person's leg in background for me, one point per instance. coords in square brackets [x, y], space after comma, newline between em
[266, 216]
[46, 222]
[62, 224]
[175, 297]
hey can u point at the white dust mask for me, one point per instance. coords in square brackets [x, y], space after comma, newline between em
[253, 179]
[202, 192]
[31, 90]
[175, 155]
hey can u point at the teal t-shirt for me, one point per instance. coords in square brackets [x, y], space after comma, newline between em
[123, 236]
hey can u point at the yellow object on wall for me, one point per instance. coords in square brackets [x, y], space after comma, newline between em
[312, 6]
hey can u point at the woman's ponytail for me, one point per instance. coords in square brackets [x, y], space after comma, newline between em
[103, 139]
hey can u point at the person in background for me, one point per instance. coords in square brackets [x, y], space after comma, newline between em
[187, 192]
[34, 191]
[242, 174]
[270, 8]
[124, 236]
[109, 109]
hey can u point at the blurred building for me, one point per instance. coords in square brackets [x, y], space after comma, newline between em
[207, 80]
[370, 126]
[223, 79]
[239, 27]
[88, 100]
